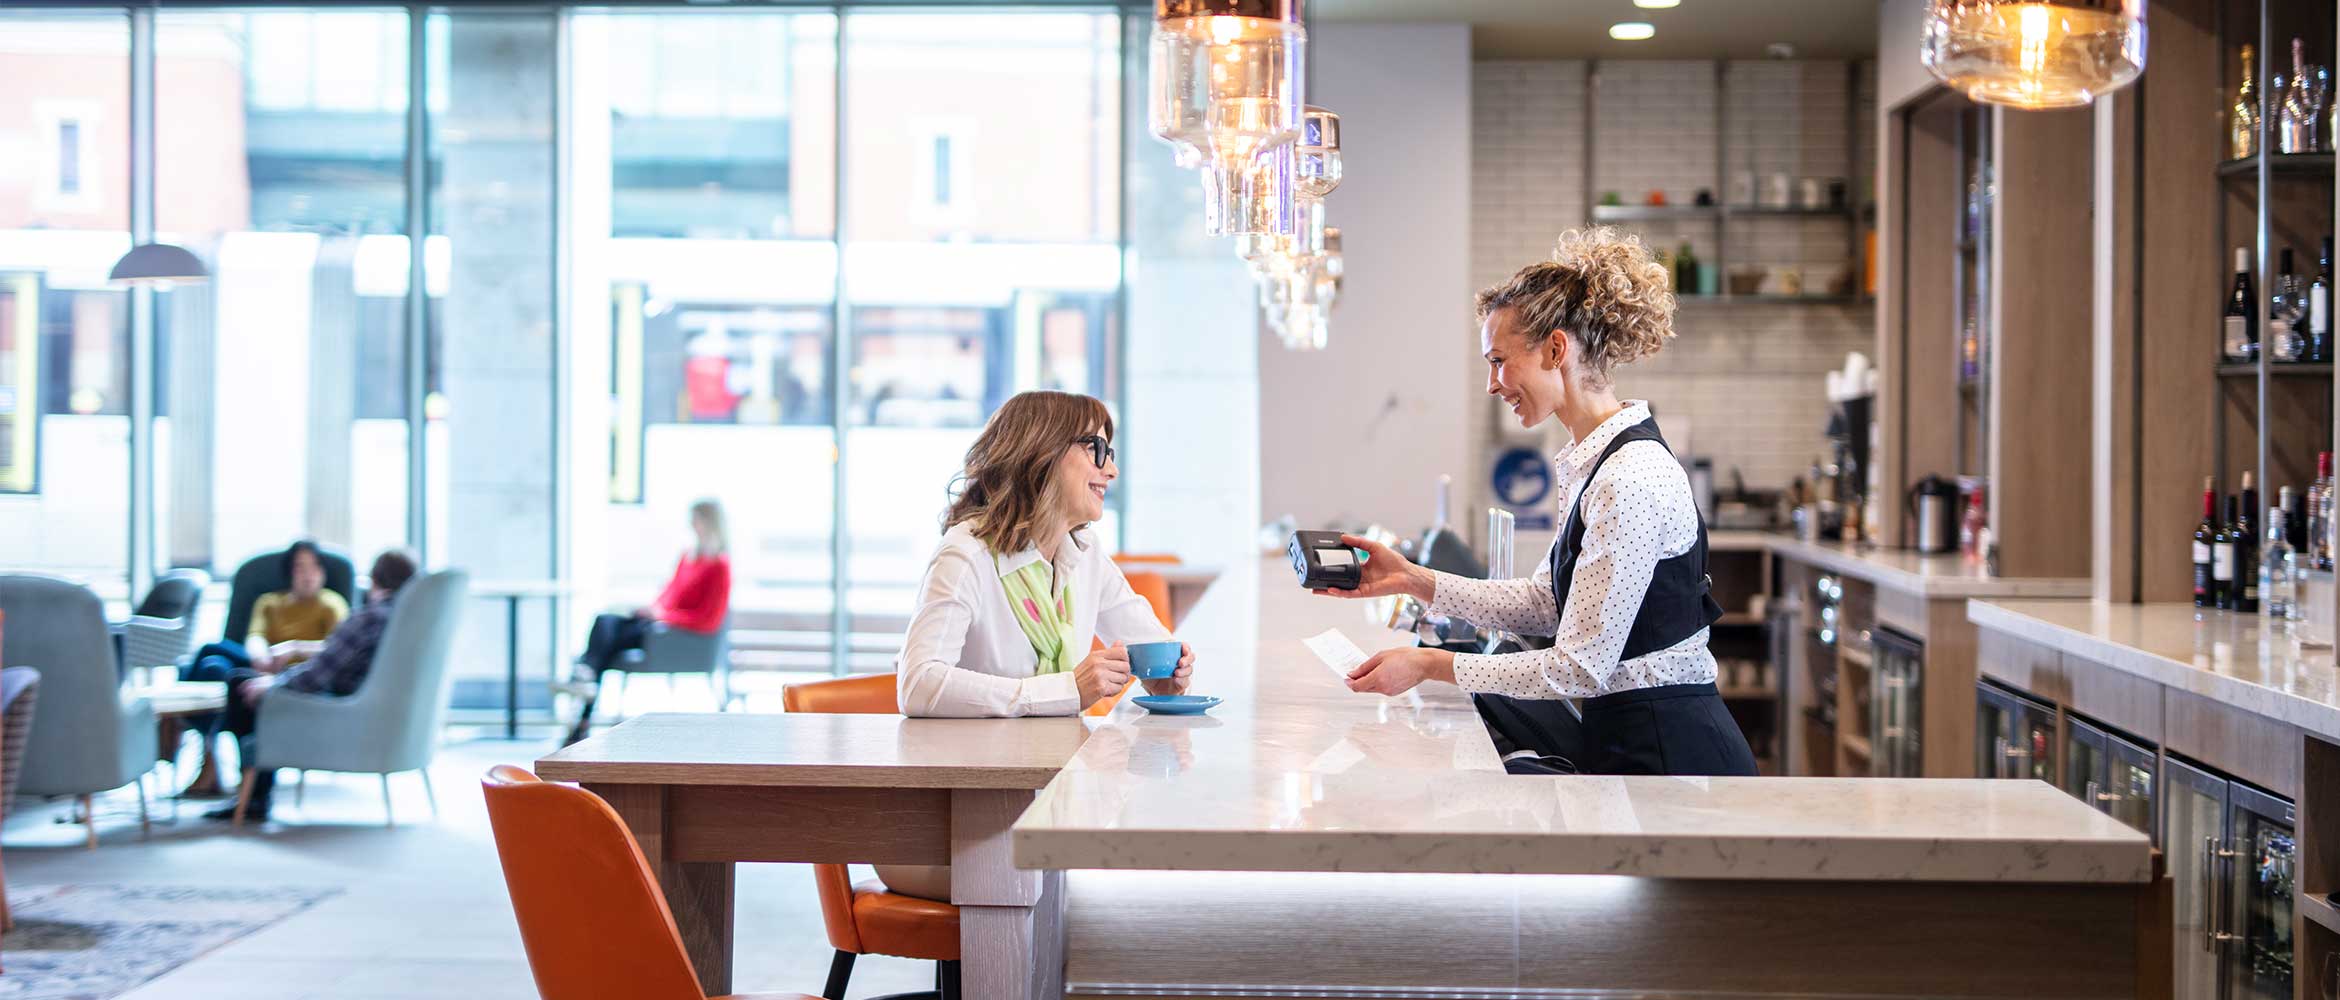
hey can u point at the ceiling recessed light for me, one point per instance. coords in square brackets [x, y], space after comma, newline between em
[1657, 4]
[1632, 31]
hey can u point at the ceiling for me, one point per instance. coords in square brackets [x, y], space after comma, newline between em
[1574, 29]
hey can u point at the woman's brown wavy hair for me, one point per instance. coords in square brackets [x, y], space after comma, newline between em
[1007, 486]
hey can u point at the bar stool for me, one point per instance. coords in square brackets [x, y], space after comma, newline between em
[866, 919]
[591, 916]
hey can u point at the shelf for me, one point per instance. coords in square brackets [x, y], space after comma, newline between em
[1637, 213]
[1789, 300]
[2280, 369]
[2284, 164]
[2318, 910]
[1804, 213]
[1857, 746]
[1749, 694]
[1857, 657]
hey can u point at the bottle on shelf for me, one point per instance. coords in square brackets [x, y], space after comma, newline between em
[1974, 528]
[2287, 314]
[2294, 523]
[2243, 517]
[2299, 123]
[2318, 494]
[2276, 569]
[2319, 307]
[2222, 580]
[2242, 121]
[2239, 338]
[1685, 271]
[2205, 536]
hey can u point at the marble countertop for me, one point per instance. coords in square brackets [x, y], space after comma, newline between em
[2224, 656]
[1933, 576]
[1297, 773]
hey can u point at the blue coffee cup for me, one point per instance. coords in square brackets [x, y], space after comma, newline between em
[1154, 661]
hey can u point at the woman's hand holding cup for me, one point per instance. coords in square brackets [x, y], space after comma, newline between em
[1385, 573]
[1178, 680]
[1102, 674]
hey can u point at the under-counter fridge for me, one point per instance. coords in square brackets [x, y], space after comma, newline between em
[1896, 703]
[2113, 774]
[2014, 736]
[2231, 862]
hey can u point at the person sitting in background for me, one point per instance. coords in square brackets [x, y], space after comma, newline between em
[339, 667]
[696, 600]
[288, 626]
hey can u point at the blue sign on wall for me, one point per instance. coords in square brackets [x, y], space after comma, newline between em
[1522, 480]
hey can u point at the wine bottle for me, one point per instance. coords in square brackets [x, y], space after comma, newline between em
[2205, 536]
[2286, 315]
[2239, 340]
[2313, 552]
[2242, 121]
[2242, 528]
[2222, 557]
[2320, 307]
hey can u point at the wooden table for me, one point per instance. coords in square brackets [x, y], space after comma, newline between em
[704, 792]
[1187, 585]
[512, 592]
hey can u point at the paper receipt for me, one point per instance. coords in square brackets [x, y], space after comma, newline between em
[1338, 653]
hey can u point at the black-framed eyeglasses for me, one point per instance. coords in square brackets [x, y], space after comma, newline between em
[1099, 451]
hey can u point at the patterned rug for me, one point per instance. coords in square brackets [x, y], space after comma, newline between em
[91, 942]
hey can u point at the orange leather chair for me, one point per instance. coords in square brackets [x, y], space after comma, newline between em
[865, 919]
[1155, 588]
[591, 915]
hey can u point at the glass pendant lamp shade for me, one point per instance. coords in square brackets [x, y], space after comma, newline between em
[2035, 53]
[1226, 74]
[1317, 154]
[158, 264]
[1255, 197]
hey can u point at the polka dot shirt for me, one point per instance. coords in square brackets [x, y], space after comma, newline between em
[1638, 512]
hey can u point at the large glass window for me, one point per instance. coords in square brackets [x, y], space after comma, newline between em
[280, 384]
[64, 332]
[982, 231]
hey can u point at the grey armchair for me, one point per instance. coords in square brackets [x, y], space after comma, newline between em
[88, 737]
[669, 650]
[393, 721]
[161, 631]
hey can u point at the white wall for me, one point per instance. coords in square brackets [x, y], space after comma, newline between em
[1359, 431]
[1900, 32]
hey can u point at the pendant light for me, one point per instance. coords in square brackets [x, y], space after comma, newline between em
[2035, 54]
[1224, 91]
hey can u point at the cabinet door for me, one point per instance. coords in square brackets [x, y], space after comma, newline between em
[2193, 833]
[2129, 780]
[2085, 758]
[2035, 740]
[2259, 899]
[1991, 712]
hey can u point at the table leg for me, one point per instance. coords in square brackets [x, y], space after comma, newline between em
[699, 892]
[511, 666]
[1011, 935]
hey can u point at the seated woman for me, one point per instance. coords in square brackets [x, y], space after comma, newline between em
[697, 599]
[1020, 588]
[337, 668]
[288, 626]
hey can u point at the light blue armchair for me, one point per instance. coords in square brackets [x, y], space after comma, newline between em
[88, 737]
[393, 721]
[161, 630]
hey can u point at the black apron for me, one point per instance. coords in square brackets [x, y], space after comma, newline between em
[1670, 729]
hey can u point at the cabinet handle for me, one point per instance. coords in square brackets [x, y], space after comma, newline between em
[2212, 936]
[2109, 796]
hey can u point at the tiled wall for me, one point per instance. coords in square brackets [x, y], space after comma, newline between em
[1742, 383]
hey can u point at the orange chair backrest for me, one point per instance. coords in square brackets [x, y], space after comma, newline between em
[591, 916]
[866, 694]
[861, 694]
[1155, 588]
[1146, 558]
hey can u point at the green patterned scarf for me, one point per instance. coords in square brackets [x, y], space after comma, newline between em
[1046, 618]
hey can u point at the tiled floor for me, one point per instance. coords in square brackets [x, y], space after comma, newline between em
[422, 911]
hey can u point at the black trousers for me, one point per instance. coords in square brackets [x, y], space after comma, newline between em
[240, 719]
[611, 636]
[1680, 729]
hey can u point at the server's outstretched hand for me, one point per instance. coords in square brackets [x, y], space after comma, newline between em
[1396, 671]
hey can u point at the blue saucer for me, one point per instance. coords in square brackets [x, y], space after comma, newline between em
[1176, 704]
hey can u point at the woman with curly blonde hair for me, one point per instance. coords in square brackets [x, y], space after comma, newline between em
[1625, 592]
